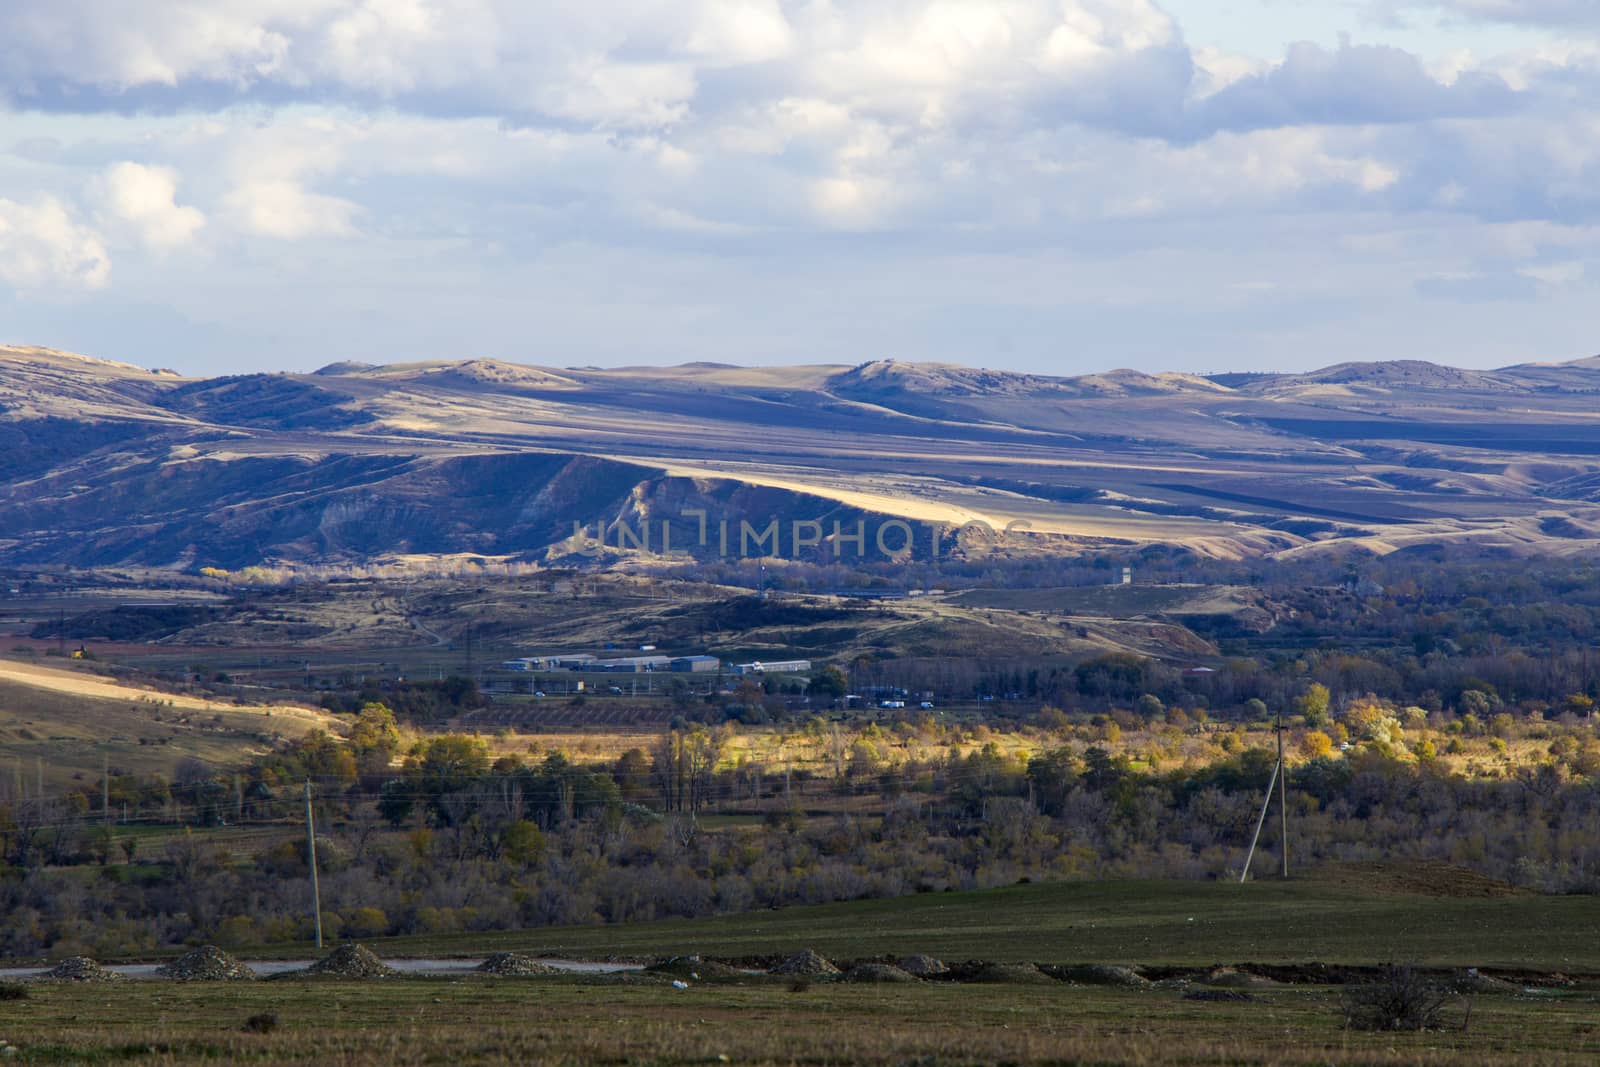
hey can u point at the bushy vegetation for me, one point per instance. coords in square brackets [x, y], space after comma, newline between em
[439, 836]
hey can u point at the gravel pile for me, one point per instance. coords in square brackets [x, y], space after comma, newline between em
[79, 969]
[352, 961]
[693, 967]
[923, 966]
[1024, 973]
[878, 972]
[206, 964]
[806, 963]
[515, 965]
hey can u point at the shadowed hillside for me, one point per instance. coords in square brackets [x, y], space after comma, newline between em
[107, 463]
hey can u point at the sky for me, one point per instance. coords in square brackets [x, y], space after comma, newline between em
[1057, 186]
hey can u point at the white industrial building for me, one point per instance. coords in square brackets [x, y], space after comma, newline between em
[777, 666]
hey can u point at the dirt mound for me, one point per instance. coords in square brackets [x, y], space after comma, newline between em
[806, 963]
[79, 969]
[208, 963]
[1231, 978]
[352, 961]
[1100, 974]
[878, 972]
[1014, 973]
[922, 966]
[693, 967]
[1471, 982]
[515, 965]
[1223, 996]
[1428, 878]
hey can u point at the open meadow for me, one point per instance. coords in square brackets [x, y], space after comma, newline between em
[1188, 1012]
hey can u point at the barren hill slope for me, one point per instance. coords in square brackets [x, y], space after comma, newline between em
[103, 462]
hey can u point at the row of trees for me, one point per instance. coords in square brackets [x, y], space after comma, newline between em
[533, 848]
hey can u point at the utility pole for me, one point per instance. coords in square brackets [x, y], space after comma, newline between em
[311, 856]
[1280, 776]
[1265, 804]
[1283, 798]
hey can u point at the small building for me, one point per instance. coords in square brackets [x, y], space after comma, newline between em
[697, 664]
[781, 666]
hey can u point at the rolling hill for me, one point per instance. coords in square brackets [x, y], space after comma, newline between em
[106, 463]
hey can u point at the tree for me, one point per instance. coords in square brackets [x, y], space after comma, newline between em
[632, 773]
[375, 738]
[830, 683]
[683, 764]
[1313, 704]
[522, 843]
[1316, 745]
[444, 766]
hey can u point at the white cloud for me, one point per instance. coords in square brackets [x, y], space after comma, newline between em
[145, 197]
[95, 43]
[1572, 13]
[786, 136]
[42, 245]
[286, 209]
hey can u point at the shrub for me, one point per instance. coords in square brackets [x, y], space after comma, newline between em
[1401, 999]
[262, 1023]
[366, 922]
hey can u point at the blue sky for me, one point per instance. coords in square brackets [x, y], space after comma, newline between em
[1059, 186]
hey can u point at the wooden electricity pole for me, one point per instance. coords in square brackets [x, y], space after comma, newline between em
[1280, 779]
[1283, 798]
[311, 858]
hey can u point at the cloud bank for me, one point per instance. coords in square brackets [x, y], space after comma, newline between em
[763, 180]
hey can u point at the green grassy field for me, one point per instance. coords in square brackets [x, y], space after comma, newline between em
[641, 1019]
[1138, 923]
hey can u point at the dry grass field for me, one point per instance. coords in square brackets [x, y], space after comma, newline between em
[570, 1021]
[69, 721]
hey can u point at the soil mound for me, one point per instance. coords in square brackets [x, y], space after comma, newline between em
[693, 967]
[878, 972]
[1101, 974]
[922, 966]
[515, 965]
[352, 961]
[79, 969]
[806, 963]
[1015, 973]
[208, 963]
[1472, 982]
[1230, 978]
[1222, 996]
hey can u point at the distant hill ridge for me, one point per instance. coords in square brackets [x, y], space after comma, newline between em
[107, 462]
